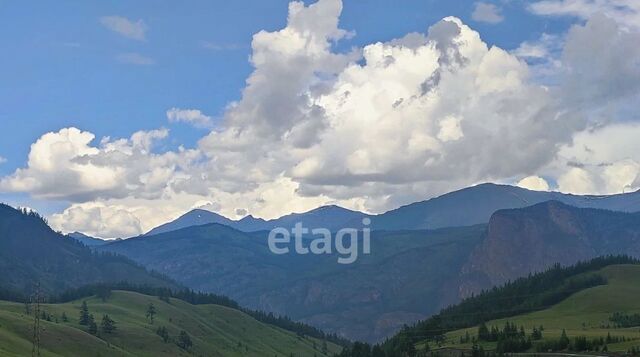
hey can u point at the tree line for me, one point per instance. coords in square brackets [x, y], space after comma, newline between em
[200, 298]
[532, 293]
[622, 320]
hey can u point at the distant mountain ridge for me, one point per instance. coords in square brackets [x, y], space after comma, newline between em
[331, 217]
[465, 207]
[476, 204]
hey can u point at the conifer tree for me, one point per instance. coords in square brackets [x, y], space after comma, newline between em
[162, 332]
[184, 341]
[107, 324]
[483, 332]
[84, 314]
[93, 327]
[564, 340]
[151, 312]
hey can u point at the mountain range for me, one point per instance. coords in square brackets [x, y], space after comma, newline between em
[476, 205]
[424, 256]
[469, 206]
[331, 217]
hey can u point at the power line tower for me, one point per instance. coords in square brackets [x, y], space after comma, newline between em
[36, 299]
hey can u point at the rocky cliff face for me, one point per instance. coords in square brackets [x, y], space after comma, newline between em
[520, 241]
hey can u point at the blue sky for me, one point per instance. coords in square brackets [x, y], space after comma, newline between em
[537, 112]
[61, 67]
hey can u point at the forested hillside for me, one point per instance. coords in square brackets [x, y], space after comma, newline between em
[31, 253]
[457, 325]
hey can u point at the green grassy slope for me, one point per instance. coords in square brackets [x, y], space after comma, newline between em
[585, 313]
[215, 330]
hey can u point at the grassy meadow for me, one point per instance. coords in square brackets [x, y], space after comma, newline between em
[214, 330]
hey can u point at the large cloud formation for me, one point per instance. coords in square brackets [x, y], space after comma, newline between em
[64, 165]
[372, 128]
[626, 12]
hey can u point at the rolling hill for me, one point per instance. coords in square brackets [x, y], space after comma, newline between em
[214, 330]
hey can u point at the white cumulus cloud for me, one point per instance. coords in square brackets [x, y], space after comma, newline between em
[545, 47]
[485, 12]
[135, 30]
[625, 12]
[594, 164]
[98, 220]
[66, 165]
[535, 183]
[191, 116]
[411, 118]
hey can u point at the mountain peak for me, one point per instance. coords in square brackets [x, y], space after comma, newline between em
[201, 211]
[195, 217]
[331, 208]
[86, 239]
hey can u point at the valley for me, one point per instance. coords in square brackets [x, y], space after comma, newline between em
[320, 178]
[411, 273]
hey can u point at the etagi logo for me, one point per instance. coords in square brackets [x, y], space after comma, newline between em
[346, 241]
